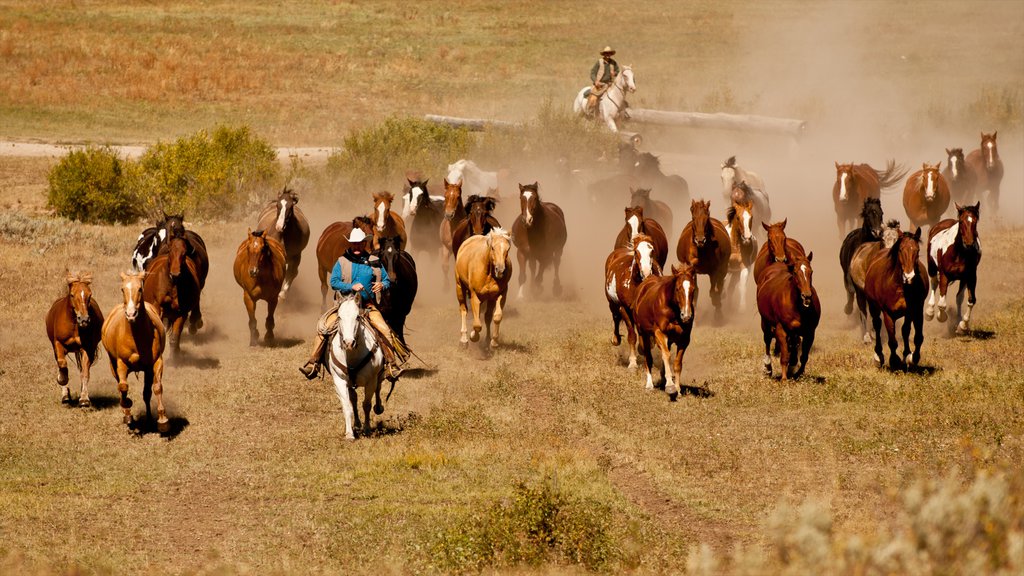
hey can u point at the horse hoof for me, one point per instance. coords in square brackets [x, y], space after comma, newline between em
[942, 315]
[848, 309]
[84, 402]
[616, 340]
[961, 328]
[378, 409]
[474, 336]
[494, 344]
[632, 364]
[929, 314]
[163, 427]
[350, 437]
[673, 396]
[65, 396]
[127, 420]
[281, 295]
[867, 338]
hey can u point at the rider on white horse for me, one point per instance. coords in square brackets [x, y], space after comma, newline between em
[602, 75]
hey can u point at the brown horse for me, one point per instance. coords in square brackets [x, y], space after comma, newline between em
[790, 312]
[664, 310]
[777, 248]
[332, 244]
[482, 272]
[479, 221]
[653, 208]
[704, 244]
[539, 235]
[454, 214]
[961, 179]
[259, 269]
[761, 208]
[284, 222]
[425, 214]
[396, 301]
[172, 285]
[954, 251]
[858, 269]
[135, 343]
[637, 224]
[743, 246]
[73, 326]
[987, 169]
[854, 184]
[386, 222]
[152, 240]
[624, 270]
[926, 196]
[895, 286]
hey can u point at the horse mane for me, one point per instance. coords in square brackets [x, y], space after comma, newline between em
[893, 224]
[499, 231]
[489, 205]
[383, 195]
[730, 213]
[258, 233]
[361, 220]
[730, 162]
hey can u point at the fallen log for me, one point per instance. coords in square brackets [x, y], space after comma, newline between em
[721, 121]
[475, 124]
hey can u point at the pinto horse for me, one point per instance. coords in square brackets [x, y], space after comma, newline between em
[857, 272]
[743, 246]
[870, 230]
[172, 286]
[355, 361]
[386, 223]
[954, 251]
[732, 174]
[479, 221]
[704, 244]
[260, 269]
[664, 310]
[987, 168]
[961, 179]
[790, 312]
[896, 286]
[624, 270]
[761, 209]
[854, 184]
[396, 302]
[424, 213]
[926, 196]
[777, 248]
[637, 224]
[332, 244]
[152, 243]
[539, 236]
[73, 326]
[283, 221]
[134, 338]
[482, 271]
[654, 208]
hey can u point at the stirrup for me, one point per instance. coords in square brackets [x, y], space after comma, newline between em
[393, 372]
[310, 371]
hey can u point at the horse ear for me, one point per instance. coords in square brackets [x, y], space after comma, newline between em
[994, 134]
[784, 220]
[249, 232]
[124, 277]
[810, 255]
[446, 182]
[676, 269]
[977, 207]
[521, 188]
[765, 226]
[959, 208]
[948, 153]
[837, 165]
[917, 234]
[425, 180]
[535, 186]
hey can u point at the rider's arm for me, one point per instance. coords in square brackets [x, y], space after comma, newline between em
[384, 280]
[593, 72]
[336, 281]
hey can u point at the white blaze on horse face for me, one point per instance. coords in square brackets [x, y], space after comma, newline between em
[281, 214]
[131, 309]
[954, 167]
[929, 188]
[687, 300]
[634, 226]
[746, 226]
[990, 148]
[842, 185]
[645, 249]
[415, 192]
[529, 217]
[380, 216]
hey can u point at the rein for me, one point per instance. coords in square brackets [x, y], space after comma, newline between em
[354, 370]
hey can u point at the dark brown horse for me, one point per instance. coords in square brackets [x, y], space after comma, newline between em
[424, 217]
[152, 239]
[539, 236]
[386, 222]
[479, 221]
[332, 244]
[73, 326]
[896, 286]
[988, 169]
[259, 269]
[624, 270]
[743, 246]
[647, 172]
[926, 196]
[704, 244]
[172, 285]
[954, 251]
[454, 214]
[637, 224]
[663, 311]
[790, 312]
[858, 270]
[961, 179]
[396, 302]
[777, 248]
[854, 184]
[652, 208]
[870, 231]
[284, 222]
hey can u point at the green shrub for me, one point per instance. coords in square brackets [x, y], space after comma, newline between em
[89, 185]
[996, 108]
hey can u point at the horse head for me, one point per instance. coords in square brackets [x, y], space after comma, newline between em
[700, 212]
[176, 250]
[131, 293]
[479, 209]
[684, 290]
[627, 79]
[389, 253]
[80, 291]
[452, 199]
[776, 240]
[740, 215]
[891, 233]
[349, 310]
[635, 220]
[174, 225]
[643, 255]
[802, 272]
[955, 161]
[639, 196]
[741, 191]
[418, 195]
[844, 180]
[648, 164]
[967, 217]
[871, 212]
[728, 174]
[905, 253]
[928, 181]
[989, 149]
[499, 242]
[382, 208]
[286, 202]
[529, 202]
[254, 249]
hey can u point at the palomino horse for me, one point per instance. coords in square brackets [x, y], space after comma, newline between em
[613, 101]
[704, 244]
[760, 210]
[355, 361]
[961, 179]
[134, 339]
[896, 286]
[332, 244]
[743, 246]
[647, 171]
[637, 224]
[539, 235]
[870, 230]
[284, 222]
[73, 326]
[988, 169]
[386, 222]
[624, 270]
[858, 270]
[259, 269]
[926, 196]
[732, 175]
[790, 312]
[653, 208]
[396, 302]
[479, 221]
[854, 184]
[664, 310]
[777, 248]
[482, 272]
[172, 286]
[954, 251]
[454, 215]
[424, 214]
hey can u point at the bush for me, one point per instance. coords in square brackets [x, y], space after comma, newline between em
[90, 185]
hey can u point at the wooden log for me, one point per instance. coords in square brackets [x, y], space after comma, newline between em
[475, 124]
[721, 121]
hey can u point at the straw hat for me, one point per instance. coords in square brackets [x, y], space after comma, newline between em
[608, 50]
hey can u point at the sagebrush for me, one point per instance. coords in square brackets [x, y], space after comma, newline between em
[89, 185]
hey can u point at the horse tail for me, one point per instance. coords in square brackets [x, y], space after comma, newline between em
[892, 175]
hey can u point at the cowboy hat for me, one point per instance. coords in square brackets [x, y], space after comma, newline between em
[356, 235]
[608, 50]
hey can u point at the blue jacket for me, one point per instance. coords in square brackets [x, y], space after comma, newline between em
[361, 274]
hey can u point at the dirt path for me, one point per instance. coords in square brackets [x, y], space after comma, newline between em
[49, 150]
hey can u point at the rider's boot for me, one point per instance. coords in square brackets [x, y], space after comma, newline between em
[392, 364]
[312, 366]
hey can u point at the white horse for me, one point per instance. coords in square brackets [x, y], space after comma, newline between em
[752, 186]
[474, 180]
[613, 101]
[355, 361]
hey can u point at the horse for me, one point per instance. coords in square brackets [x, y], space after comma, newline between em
[961, 179]
[396, 302]
[473, 180]
[732, 175]
[151, 242]
[172, 286]
[386, 223]
[854, 184]
[743, 246]
[134, 342]
[416, 186]
[612, 102]
[870, 230]
[704, 244]
[424, 214]
[664, 310]
[647, 171]
[260, 269]
[777, 248]
[482, 272]
[283, 221]
[857, 272]
[654, 208]
[926, 196]
[636, 224]
[624, 270]
[539, 235]
[454, 215]
[987, 168]
[355, 361]
[895, 286]
[479, 221]
[760, 210]
[73, 326]
[332, 244]
[790, 312]
[954, 251]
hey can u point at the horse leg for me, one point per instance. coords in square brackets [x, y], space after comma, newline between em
[616, 320]
[767, 335]
[890, 333]
[61, 354]
[907, 325]
[539, 267]
[460, 294]
[666, 363]
[367, 402]
[943, 289]
[744, 275]
[805, 351]
[965, 317]
[918, 337]
[120, 370]
[521, 259]
[876, 322]
[85, 358]
[630, 338]
[474, 302]
[848, 284]
[783, 340]
[250, 308]
[499, 306]
[677, 360]
[446, 265]
[353, 399]
[488, 312]
[341, 388]
[645, 346]
[290, 273]
[862, 307]
[557, 288]
[178, 326]
[929, 309]
[268, 338]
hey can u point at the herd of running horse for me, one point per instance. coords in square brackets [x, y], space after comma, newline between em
[883, 271]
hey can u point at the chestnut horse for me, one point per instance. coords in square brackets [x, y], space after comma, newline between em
[172, 286]
[653, 208]
[636, 224]
[73, 326]
[624, 270]
[858, 270]
[777, 248]
[259, 269]
[332, 244]
[987, 168]
[954, 251]
[539, 235]
[454, 214]
[704, 244]
[926, 196]
[896, 286]
[386, 222]
[479, 221]
[664, 310]
[743, 246]
[284, 222]
[961, 179]
[482, 272]
[790, 312]
[424, 213]
[134, 338]
[870, 230]
[854, 184]
[396, 302]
